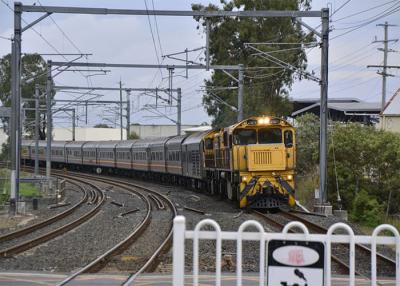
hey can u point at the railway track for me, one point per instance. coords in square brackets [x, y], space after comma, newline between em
[13, 242]
[363, 253]
[36, 226]
[151, 198]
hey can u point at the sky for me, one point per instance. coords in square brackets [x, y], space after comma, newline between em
[142, 39]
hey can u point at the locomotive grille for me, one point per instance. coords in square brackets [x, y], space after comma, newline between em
[262, 157]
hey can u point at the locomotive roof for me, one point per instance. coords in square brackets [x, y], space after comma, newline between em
[244, 123]
[195, 137]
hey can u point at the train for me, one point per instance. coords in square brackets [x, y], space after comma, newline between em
[252, 162]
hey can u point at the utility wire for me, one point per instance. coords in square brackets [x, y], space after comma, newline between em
[394, 10]
[366, 10]
[39, 34]
[62, 31]
[338, 9]
[5, 38]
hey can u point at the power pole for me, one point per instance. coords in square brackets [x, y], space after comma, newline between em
[385, 51]
[120, 109]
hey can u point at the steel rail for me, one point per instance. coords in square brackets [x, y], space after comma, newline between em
[320, 229]
[101, 260]
[36, 226]
[343, 265]
[166, 243]
[8, 252]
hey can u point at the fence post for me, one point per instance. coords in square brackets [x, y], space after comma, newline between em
[178, 267]
[375, 234]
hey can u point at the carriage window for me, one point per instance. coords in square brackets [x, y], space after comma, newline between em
[288, 137]
[270, 136]
[244, 136]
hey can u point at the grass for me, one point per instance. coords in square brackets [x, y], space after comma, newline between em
[305, 186]
[26, 190]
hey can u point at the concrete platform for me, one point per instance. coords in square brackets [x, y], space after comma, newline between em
[229, 279]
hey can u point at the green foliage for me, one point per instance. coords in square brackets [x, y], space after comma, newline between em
[101, 125]
[366, 210]
[133, 136]
[307, 144]
[25, 189]
[33, 67]
[365, 162]
[266, 90]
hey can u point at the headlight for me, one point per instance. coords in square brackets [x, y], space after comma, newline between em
[244, 179]
[290, 177]
[264, 120]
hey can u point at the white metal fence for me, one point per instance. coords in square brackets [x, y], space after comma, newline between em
[181, 235]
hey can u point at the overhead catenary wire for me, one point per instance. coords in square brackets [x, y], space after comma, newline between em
[157, 30]
[152, 36]
[38, 33]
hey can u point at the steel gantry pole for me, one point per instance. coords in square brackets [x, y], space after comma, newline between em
[128, 114]
[120, 110]
[49, 123]
[324, 109]
[240, 93]
[73, 124]
[179, 115]
[16, 108]
[37, 122]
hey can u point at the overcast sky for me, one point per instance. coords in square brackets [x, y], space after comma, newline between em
[128, 39]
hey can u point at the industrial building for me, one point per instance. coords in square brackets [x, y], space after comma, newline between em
[390, 116]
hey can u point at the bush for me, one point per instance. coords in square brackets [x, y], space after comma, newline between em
[363, 162]
[366, 210]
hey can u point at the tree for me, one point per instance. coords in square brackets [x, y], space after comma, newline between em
[307, 135]
[101, 125]
[362, 161]
[266, 90]
[33, 71]
[133, 136]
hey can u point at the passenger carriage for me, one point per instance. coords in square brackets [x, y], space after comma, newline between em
[106, 153]
[124, 154]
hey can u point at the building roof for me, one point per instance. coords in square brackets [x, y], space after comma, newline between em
[351, 106]
[393, 105]
[332, 99]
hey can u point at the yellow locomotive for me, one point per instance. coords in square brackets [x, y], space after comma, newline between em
[253, 162]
